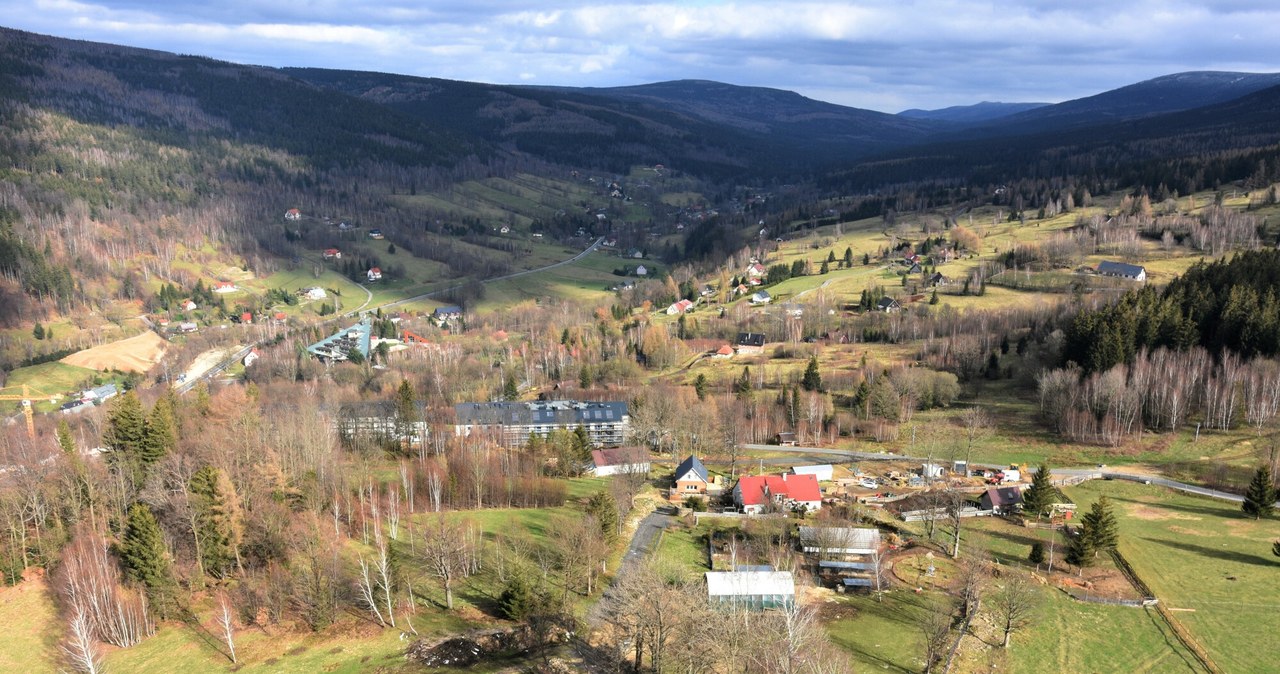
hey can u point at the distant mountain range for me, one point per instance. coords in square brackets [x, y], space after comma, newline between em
[970, 114]
[1158, 96]
[102, 129]
[707, 128]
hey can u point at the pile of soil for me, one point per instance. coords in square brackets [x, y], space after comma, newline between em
[470, 649]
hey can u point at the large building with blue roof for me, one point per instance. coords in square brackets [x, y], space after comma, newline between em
[339, 345]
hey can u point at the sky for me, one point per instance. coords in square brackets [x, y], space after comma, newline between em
[884, 55]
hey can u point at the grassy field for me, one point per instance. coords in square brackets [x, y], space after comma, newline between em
[51, 379]
[587, 280]
[1205, 557]
[31, 629]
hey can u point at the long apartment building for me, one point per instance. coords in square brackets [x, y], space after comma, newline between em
[511, 423]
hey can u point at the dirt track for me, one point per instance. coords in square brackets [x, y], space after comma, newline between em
[135, 354]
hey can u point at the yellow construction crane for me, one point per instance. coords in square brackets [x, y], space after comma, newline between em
[26, 407]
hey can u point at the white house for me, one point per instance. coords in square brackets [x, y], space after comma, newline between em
[316, 293]
[224, 287]
[374, 274]
[641, 270]
[761, 297]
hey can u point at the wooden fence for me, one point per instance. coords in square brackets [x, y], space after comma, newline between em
[1181, 632]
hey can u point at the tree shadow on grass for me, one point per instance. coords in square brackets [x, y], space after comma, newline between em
[1224, 510]
[1028, 540]
[1216, 553]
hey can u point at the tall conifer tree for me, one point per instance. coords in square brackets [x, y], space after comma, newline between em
[1260, 499]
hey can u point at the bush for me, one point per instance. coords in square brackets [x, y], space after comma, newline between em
[1037, 553]
[696, 503]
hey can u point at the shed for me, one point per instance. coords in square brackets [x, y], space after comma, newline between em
[753, 590]
[840, 540]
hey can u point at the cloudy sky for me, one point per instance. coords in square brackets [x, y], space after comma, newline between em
[880, 54]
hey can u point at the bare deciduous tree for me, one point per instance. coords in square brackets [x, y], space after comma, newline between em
[80, 648]
[1015, 603]
[977, 424]
[934, 623]
[226, 623]
[89, 581]
[446, 550]
[376, 585]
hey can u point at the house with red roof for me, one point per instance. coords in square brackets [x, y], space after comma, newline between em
[619, 461]
[725, 351]
[679, 307]
[293, 214]
[756, 494]
[332, 254]
[375, 274]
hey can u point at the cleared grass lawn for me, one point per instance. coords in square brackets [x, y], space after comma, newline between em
[1202, 554]
[881, 636]
[31, 629]
[48, 378]
[1067, 636]
[586, 280]
[1074, 637]
[684, 549]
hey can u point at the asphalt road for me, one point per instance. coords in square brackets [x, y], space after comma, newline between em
[642, 543]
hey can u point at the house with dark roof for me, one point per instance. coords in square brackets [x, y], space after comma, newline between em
[692, 479]
[447, 313]
[750, 342]
[888, 305]
[756, 494]
[1001, 500]
[1132, 272]
[761, 297]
